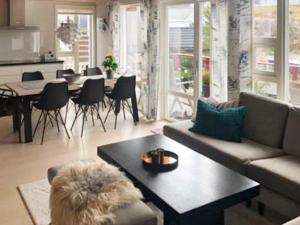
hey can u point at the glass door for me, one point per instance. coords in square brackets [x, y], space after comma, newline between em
[180, 60]
[187, 61]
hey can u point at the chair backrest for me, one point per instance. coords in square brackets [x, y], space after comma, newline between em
[60, 73]
[92, 92]
[124, 88]
[29, 76]
[93, 71]
[54, 96]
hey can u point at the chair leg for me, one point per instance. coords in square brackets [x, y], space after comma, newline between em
[56, 120]
[123, 107]
[63, 123]
[91, 108]
[110, 108]
[44, 129]
[67, 109]
[38, 123]
[83, 119]
[98, 114]
[116, 121]
[77, 114]
[261, 208]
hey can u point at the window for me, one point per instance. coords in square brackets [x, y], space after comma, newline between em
[276, 49]
[265, 43]
[130, 41]
[79, 55]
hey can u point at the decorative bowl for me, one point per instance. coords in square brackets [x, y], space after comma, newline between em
[71, 78]
[160, 160]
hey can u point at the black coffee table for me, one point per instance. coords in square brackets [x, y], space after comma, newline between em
[196, 192]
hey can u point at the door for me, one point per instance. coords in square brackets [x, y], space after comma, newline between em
[186, 33]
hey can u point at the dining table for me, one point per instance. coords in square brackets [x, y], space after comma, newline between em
[26, 91]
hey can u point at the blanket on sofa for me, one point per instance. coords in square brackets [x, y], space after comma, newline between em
[88, 193]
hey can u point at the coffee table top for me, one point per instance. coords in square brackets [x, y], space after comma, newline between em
[198, 183]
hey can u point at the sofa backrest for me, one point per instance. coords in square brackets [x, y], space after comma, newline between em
[291, 143]
[265, 120]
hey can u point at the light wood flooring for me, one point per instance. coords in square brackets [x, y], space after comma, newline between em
[23, 163]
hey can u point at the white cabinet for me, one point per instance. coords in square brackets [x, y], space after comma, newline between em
[14, 73]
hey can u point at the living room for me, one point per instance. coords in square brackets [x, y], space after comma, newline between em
[149, 112]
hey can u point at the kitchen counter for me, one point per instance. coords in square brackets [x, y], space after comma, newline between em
[28, 62]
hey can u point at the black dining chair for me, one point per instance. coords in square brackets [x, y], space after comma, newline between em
[91, 94]
[60, 73]
[9, 107]
[93, 71]
[31, 76]
[123, 90]
[53, 97]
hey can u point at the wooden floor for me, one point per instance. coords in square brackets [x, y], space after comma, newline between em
[23, 163]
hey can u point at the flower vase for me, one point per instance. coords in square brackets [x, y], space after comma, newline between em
[109, 74]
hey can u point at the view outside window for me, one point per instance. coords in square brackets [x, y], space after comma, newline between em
[181, 61]
[265, 18]
[205, 38]
[294, 51]
[79, 55]
[265, 32]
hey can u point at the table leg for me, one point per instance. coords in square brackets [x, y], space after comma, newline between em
[135, 111]
[17, 118]
[27, 120]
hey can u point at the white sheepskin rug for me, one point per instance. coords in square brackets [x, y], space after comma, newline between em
[87, 193]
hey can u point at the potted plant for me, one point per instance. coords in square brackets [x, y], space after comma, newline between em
[186, 73]
[110, 65]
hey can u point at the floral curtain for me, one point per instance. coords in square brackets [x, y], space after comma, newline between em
[148, 52]
[219, 54]
[151, 60]
[239, 45]
[113, 10]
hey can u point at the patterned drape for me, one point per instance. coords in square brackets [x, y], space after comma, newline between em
[239, 45]
[219, 54]
[152, 50]
[148, 52]
[113, 10]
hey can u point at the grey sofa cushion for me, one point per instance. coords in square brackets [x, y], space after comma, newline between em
[135, 214]
[232, 155]
[265, 119]
[280, 174]
[291, 144]
[293, 222]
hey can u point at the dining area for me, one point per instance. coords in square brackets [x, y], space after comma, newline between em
[92, 96]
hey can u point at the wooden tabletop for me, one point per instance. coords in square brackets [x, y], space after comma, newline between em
[27, 88]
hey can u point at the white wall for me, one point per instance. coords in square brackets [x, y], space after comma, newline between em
[41, 13]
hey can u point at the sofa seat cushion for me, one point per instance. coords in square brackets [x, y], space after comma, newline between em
[232, 155]
[265, 119]
[293, 222]
[137, 213]
[291, 144]
[280, 174]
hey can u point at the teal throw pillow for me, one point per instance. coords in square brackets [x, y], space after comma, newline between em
[226, 124]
